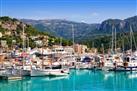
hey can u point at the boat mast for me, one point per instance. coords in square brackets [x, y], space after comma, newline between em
[112, 46]
[123, 45]
[115, 40]
[102, 48]
[134, 41]
[103, 52]
[131, 39]
[23, 43]
[28, 41]
[93, 44]
[60, 41]
[42, 58]
[73, 37]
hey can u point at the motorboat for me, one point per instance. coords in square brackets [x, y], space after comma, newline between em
[58, 72]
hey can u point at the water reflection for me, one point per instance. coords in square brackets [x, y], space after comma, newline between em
[132, 75]
[77, 81]
[81, 72]
[120, 81]
[49, 78]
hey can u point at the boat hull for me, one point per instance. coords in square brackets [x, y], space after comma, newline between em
[39, 72]
[121, 69]
[59, 72]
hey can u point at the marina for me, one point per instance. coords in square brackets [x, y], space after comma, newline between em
[58, 62]
[68, 45]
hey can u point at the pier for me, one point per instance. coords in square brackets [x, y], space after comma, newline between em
[11, 77]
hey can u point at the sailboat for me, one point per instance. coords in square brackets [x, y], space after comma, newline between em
[49, 71]
[129, 61]
[25, 71]
[58, 71]
[108, 59]
[39, 72]
[53, 69]
[113, 60]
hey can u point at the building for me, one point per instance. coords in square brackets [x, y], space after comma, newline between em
[69, 50]
[4, 43]
[8, 33]
[93, 50]
[39, 43]
[80, 49]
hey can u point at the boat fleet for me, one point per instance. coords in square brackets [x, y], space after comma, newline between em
[33, 64]
[58, 62]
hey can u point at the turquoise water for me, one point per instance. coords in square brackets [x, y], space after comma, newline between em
[77, 81]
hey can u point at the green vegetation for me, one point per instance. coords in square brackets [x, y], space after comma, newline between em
[83, 31]
[29, 32]
[94, 35]
[123, 42]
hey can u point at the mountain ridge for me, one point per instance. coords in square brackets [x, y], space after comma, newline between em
[62, 28]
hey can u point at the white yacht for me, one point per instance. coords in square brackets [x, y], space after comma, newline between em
[58, 72]
[39, 72]
[49, 71]
[112, 61]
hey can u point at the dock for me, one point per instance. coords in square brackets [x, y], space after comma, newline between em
[5, 77]
[9, 75]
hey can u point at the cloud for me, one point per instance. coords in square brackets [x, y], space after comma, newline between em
[95, 14]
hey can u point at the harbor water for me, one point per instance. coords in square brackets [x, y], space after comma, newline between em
[77, 80]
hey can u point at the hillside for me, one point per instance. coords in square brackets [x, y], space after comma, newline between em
[123, 42]
[12, 32]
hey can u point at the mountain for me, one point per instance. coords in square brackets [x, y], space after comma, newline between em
[123, 35]
[89, 34]
[120, 25]
[63, 28]
[83, 31]
[11, 30]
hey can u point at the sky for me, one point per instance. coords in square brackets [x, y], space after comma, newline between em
[89, 11]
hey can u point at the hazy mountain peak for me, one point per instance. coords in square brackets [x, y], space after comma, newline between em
[62, 28]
